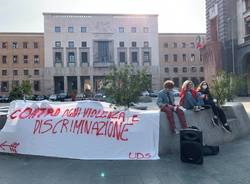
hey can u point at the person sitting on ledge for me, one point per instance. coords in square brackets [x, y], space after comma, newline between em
[189, 98]
[208, 100]
[166, 103]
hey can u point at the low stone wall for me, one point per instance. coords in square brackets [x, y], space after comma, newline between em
[212, 135]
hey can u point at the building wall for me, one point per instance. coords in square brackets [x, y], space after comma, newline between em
[100, 27]
[167, 66]
[21, 65]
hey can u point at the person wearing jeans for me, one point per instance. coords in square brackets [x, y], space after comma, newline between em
[166, 103]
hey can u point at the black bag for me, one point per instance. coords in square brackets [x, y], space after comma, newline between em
[210, 150]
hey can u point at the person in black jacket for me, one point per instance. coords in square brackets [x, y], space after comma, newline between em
[208, 100]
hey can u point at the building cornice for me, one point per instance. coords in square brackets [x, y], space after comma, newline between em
[96, 14]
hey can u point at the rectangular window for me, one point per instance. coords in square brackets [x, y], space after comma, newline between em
[37, 85]
[145, 44]
[4, 86]
[15, 83]
[36, 72]
[84, 57]
[4, 59]
[175, 69]
[184, 69]
[4, 45]
[58, 57]
[175, 57]
[201, 69]
[183, 45]
[184, 57]
[84, 44]
[71, 57]
[145, 29]
[146, 57]
[192, 57]
[192, 45]
[15, 59]
[25, 45]
[83, 29]
[122, 57]
[71, 44]
[121, 30]
[166, 58]
[70, 29]
[165, 45]
[121, 44]
[134, 57]
[175, 45]
[36, 59]
[25, 72]
[15, 72]
[35, 45]
[58, 44]
[133, 29]
[133, 44]
[193, 69]
[4, 72]
[25, 59]
[57, 29]
[14, 45]
[166, 70]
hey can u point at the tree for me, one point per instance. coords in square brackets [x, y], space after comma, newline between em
[125, 84]
[18, 92]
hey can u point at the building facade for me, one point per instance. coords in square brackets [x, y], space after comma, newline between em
[21, 59]
[80, 48]
[180, 58]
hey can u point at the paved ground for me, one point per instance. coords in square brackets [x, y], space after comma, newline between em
[231, 166]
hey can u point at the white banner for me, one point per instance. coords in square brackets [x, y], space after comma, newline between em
[81, 130]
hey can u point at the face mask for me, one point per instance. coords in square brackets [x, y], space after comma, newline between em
[204, 86]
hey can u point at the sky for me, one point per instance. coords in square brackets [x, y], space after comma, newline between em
[175, 16]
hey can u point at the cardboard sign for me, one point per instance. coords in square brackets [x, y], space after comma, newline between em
[80, 130]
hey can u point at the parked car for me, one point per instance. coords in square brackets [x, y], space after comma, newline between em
[62, 96]
[99, 97]
[53, 97]
[40, 97]
[80, 96]
[153, 93]
[4, 99]
[145, 93]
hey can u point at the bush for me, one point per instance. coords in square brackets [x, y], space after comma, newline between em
[19, 92]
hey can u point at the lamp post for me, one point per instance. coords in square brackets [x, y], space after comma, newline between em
[232, 42]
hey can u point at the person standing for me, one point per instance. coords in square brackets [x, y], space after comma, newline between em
[166, 103]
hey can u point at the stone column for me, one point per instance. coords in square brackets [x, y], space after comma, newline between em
[78, 85]
[65, 84]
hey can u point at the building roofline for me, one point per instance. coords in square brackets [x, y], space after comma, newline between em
[182, 33]
[22, 33]
[97, 14]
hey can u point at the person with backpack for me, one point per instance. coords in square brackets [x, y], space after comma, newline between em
[166, 103]
[219, 115]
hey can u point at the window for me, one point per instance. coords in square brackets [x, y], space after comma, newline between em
[192, 45]
[201, 69]
[4, 45]
[15, 59]
[84, 57]
[71, 44]
[37, 85]
[175, 57]
[15, 83]
[83, 29]
[71, 57]
[133, 44]
[200, 58]
[175, 45]
[25, 45]
[122, 57]
[15, 72]
[165, 45]
[184, 69]
[70, 29]
[121, 30]
[134, 57]
[36, 59]
[4, 86]
[25, 72]
[4, 72]
[193, 69]
[25, 59]
[166, 70]
[166, 58]
[247, 4]
[4, 59]
[57, 44]
[58, 57]
[192, 57]
[175, 69]
[247, 24]
[184, 79]
[145, 44]
[183, 45]
[14, 45]
[145, 29]
[184, 57]
[121, 44]
[35, 45]
[84, 44]
[57, 29]
[133, 29]
[36, 72]
[146, 56]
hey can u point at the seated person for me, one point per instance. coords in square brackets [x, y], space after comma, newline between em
[208, 100]
[166, 103]
[190, 99]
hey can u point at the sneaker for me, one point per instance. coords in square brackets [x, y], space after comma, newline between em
[176, 131]
[201, 108]
[215, 121]
[196, 109]
[227, 128]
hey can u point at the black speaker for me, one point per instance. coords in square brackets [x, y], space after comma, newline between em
[191, 146]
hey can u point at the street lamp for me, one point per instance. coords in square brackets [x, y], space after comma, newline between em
[230, 21]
